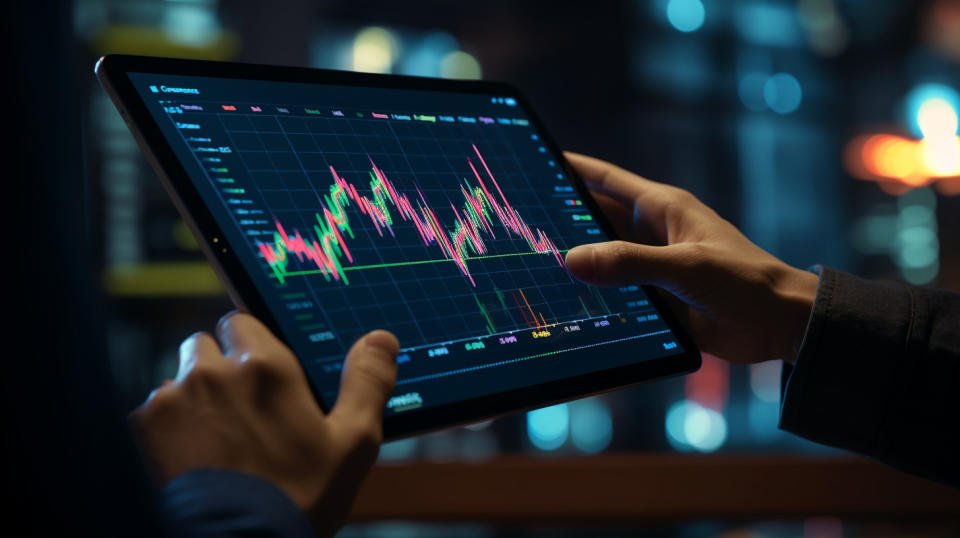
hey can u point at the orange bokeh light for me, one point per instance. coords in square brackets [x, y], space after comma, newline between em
[899, 164]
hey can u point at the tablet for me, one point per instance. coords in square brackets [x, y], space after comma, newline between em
[334, 203]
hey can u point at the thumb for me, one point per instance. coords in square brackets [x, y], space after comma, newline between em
[618, 263]
[369, 374]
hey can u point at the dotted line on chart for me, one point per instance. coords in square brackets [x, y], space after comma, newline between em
[521, 359]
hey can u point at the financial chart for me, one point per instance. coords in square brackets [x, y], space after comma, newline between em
[441, 217]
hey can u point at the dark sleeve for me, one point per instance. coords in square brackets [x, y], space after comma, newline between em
[209, 503]
[877, 374]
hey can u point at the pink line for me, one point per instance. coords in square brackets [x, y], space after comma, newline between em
[454, 245]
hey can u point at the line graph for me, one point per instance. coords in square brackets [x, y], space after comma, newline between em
[435, 233]
[450, 233]
[416, 262]
[464, 241]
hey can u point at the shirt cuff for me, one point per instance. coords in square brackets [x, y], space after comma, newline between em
[838, 389]
[213, 502]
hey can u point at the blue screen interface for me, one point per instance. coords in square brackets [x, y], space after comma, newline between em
[442, 217]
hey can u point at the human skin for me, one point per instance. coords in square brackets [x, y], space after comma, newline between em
[241, 402]
[739, 302]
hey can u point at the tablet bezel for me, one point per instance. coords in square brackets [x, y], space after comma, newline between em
[112, 71]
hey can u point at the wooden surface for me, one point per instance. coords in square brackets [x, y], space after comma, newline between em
[623, 488]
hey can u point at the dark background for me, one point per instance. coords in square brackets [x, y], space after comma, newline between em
[699, 94]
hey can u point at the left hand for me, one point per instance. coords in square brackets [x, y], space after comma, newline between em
[244, 404]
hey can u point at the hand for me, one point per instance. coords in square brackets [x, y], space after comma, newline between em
[247, 407]
[738, 302]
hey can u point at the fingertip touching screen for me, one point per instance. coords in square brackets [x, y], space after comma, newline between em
[442, 217]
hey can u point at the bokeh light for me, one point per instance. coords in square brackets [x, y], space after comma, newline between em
[916, 247]
[765, 380]
[782, 93]
[686, 15]
[398, 450]
[750, 90]
[936, 118]
[931, 110]
[932, 113]
[827, 33]
[941, 156]
[691, 426]
[193, 24]
[459, 64]
[911, 163]
[591, 426]
[549, 427]
[374, 50]
[424, 56]
[763, 418]
[768, 24]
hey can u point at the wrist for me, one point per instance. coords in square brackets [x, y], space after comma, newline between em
[795, 291]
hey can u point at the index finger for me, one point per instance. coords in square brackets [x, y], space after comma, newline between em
[647, 199]
[620, 184]
[242, 334]
[197, 347]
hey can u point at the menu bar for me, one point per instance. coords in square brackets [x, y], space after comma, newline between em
[173, 107]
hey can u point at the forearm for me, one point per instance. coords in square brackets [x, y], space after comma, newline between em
[877, 374]
[219, 503]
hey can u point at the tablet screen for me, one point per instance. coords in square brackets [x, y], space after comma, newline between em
[443, 217]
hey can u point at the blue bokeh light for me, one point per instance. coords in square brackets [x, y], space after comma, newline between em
[549, 427]
[423, 58]
[750, 90]
[591, 426]
[782, 93]
[675, 434]
[923, 93]
[686, 15]
[691, 426]
[763, 416]
[768, 24]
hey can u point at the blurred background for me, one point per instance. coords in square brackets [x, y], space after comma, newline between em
[825, 129]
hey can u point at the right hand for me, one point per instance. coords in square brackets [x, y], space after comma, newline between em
[739, 302]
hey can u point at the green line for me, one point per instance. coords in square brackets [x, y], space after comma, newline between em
[420, 262]
[585, 310]
[500, 297]
[483, 311]
[303, 317]
[294, 295]
[604, 303]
